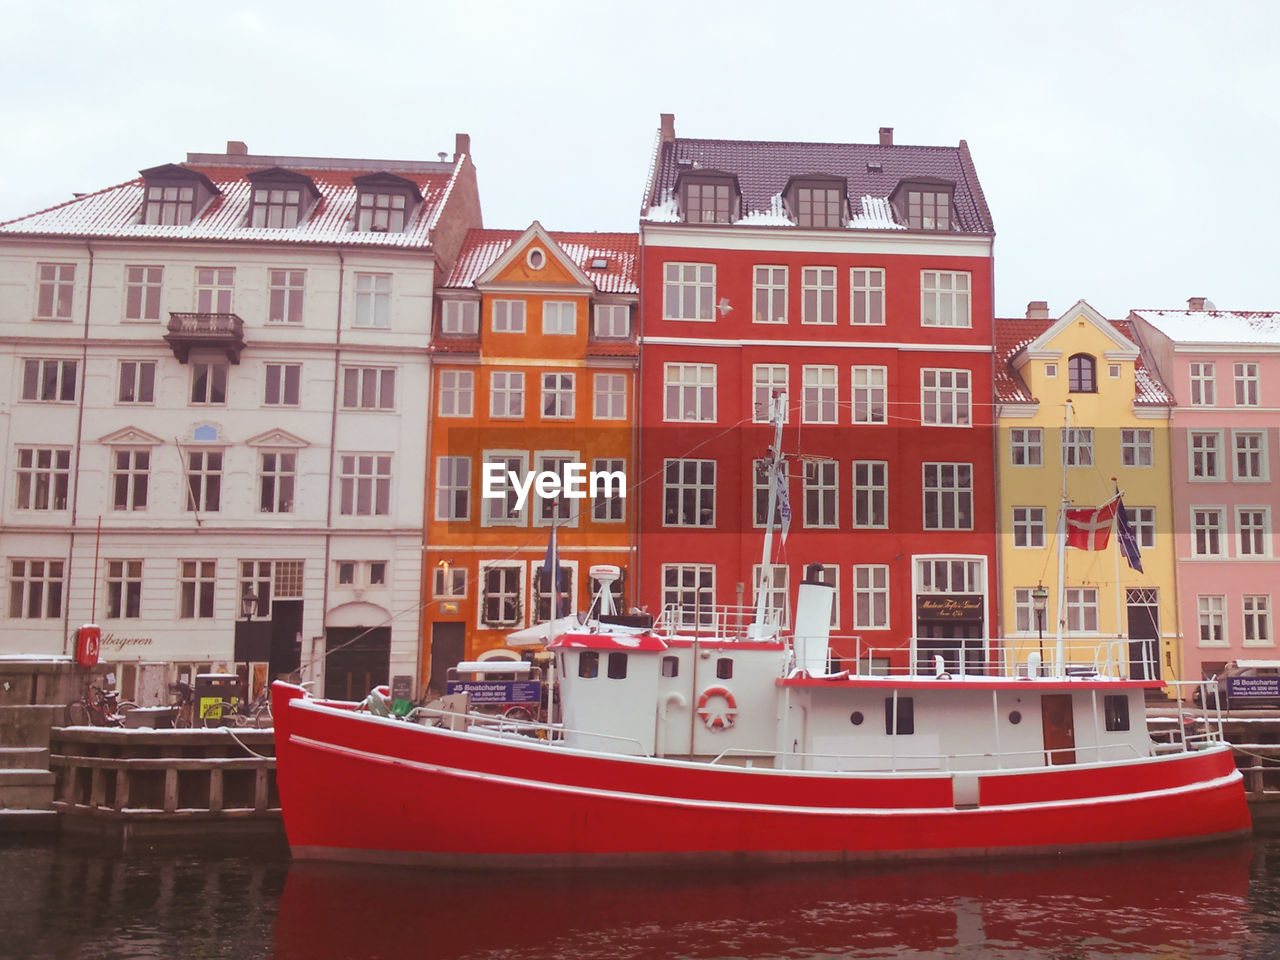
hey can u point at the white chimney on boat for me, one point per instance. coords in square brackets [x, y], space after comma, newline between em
[813, 621]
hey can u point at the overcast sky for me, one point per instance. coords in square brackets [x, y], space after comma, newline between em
[1128, 151]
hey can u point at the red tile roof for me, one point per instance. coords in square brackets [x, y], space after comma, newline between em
[116, 211]
[483, 247]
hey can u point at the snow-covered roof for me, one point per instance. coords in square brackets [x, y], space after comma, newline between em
[1259, 327]
[619, 251]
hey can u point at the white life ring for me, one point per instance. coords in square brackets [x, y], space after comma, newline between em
[722, 719]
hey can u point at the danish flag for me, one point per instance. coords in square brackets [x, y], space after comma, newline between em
[1089, 528]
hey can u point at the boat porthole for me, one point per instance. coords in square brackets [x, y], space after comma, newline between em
[856, 717]
[1015, 716]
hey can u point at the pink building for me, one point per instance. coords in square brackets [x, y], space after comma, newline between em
[1224, 370]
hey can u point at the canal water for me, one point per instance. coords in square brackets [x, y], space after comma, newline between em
[61, 903]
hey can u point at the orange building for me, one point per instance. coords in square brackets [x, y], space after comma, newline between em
[534, 360]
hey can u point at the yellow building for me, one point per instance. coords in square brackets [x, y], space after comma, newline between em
[1074, 400]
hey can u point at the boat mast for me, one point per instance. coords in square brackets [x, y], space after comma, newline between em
[764, 589]
[1059, 655]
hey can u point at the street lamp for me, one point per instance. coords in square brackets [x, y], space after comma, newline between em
[248, 606]
[1039, 602]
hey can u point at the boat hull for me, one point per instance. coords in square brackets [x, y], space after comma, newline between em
[360, 788]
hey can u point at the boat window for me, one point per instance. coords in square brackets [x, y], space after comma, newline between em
[905, 721]
[724, 668]
[617, 666]
[1015, 717]
[1117, 712]
[588, 664]
[671, 666]
[856, 718]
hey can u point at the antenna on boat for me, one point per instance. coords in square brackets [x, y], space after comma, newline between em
[776, 465]
[1059, 648]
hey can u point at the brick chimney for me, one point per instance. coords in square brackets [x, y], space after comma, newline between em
[668, 127]
[461, 145]
[237, 148]
[1196, 303]
[1038, 310]
[886, 136]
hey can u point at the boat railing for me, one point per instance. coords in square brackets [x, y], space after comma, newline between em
[502, 725]
[719, 620]
[1094, 656]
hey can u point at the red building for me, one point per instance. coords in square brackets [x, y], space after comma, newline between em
[857, 278]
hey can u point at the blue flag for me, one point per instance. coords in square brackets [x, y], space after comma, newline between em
[1126, 538]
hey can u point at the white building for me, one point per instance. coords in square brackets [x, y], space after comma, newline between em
[222, 365]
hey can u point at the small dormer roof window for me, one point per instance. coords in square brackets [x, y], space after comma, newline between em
[280, 198]
[173, 195]
[816, 200]
[385, 202]
[924, 203]
[708, 196]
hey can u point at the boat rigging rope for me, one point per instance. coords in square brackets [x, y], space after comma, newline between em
[248, 749]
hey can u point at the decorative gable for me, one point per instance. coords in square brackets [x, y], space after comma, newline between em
[535, 259]
[276, 438]
[1044, 348]
[130, 437]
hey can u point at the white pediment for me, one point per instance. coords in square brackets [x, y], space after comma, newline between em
[130, 437]
[357, 614]
[276, 438]
[1041, 347]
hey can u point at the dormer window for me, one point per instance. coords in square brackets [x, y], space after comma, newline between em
[173, 195]
[460, 317]
[280, 198]
[1082, 374]
[924, 204]
[385, 203]
[709, 197]
[816, 201]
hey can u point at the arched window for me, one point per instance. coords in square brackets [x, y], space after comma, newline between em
[1082, 371]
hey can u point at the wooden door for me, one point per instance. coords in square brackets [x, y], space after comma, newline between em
[448, 644]
[1059, 728]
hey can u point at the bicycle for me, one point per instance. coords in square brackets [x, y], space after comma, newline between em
[238, 713]
[97, 708]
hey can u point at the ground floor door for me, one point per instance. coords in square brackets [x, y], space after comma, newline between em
[357, 659]
[448, 644]
[286, 637]
[1144, 633]
[1059, 728]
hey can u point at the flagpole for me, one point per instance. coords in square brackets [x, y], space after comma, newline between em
[1059, 647]
[1115, 528]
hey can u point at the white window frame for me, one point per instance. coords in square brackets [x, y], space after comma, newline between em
[282, 472]
[761, 483]
[691, 289]
[779, 591]
[1253, 455]
[501, 511]
[765, 379]
[460, 317]
[286, 296]
[49, 379]
[866, 296]
[559, 317]
[701, 489]
[946, 298]
[689, 392]
[135, 380]
[506, 394]
[1256, 620]
[818, 301]
[204, 479]
[1137, 447]
[1204, 456]
[768, 293]
[449, 582]
[452, 483]
[1024, 610]
[124, 589]
[514, 576]
[56, 285]
[612, 321]
[869, 394]
[206, 377]
[946, 397]
[200, 579]
[699, 613]
[821, 487]
[871, 584]
[509, 316]
[284, 375]
[1253, 532]
[375, 384]
[37, 588]
[215, 289]
[821, 393]
[1248, 390]
[565, 386]
[559, 510]
[609, 396]
[960, 495]
[373, 301]
[1027, 443]
[1203, 384]
[145, 283]
[457, 393]
[607, 509]
[1029, 527]
[129, 472]
[870, 483]
[1144, 526]
[1208, 532]
[1077, 446]
[1211, 617]
[1081, 610]
[362, 473]
[43, 477]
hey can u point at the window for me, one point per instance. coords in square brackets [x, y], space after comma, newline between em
[928, 210]
[204, 481]
[381, 212]
[831, 575]
[275, 207]
[870, 394]
[557, 507]
[776, 598]
[559, 316]
[208, 383]
[1206, 532]
[1206, 462]
[508, 316]
[1024, 611]
[866, 296]
[130, 477]
[671, 667]
[818, 207]
[1202, 385]
[818, 295]
[288, 579]
[368, 388]
[1251, 454]
[137, 381]
[1212, 611]
[460, 317]
[1137, 448]
[820, 493]
[502, 509]
[35, 589]
[689, 291]
[761, 485]
[285, 296]
[617, 666]
[169, 205]
[768, 380]
[124, 589]
[377, 573]
[945, 398]
[944, 299]
[770, 294]
[612, 321]
[449, 581]
[820, 394]
[1113, 371]
[1050, 371]
[870, 493]
[1028, 526]
[283, 384]
[610, 396]
[1082, 609]
[1082, 374]
[279, 472]
[950, 576]
[948, 496]
[457, 392]
[453, 488]
[49, 381]
[708, 202]
[196, 581]
[690, 392]
[1026, 447]
[871, 596]
[542, 591]
[506, 394]
[588, 664]
[54, 290]
[689, 493]
[1144, 525]
[44, 477]
[608, 504]
[1251, 527]
[557, 396]
[1116, 712]
[500, 596]
[1077, 446]
[1246, 378]
[1257, 620]
[373, 300]
[142, 292]
[902, 721]
[690, 588]
[214, 287]
[364, 484]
